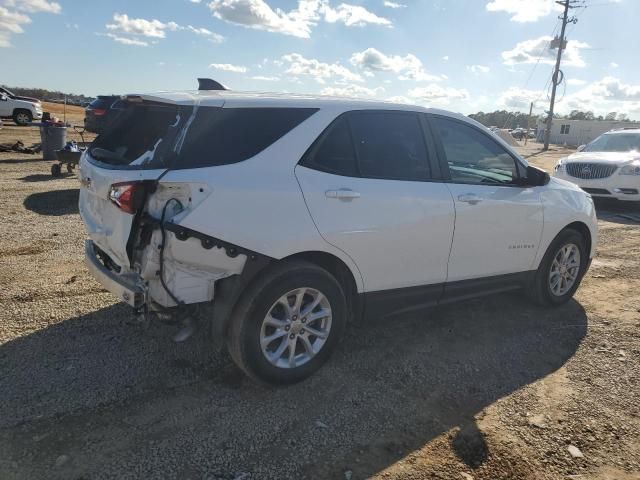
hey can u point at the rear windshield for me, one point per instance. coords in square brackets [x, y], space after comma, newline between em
[614, 142]
[102, 102]
[178, 137]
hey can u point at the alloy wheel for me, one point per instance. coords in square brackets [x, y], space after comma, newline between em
[565, 269]
[296, 327]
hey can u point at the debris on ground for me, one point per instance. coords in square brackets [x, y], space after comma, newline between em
[20, 148]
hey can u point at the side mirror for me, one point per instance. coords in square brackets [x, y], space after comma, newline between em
[580, 148]
[3, 97]
[536, 177]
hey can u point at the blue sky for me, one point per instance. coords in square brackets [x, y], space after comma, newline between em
[462, 55]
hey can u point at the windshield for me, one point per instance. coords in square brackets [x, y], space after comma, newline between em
[614, 142]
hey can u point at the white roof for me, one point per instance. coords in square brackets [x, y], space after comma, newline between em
[623, 130]
[231, 98]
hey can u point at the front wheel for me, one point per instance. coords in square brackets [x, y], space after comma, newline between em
[286, 325]
[561, 270]
[22, 117]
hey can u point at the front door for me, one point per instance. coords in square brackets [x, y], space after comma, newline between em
[367, 184]
[498, 222]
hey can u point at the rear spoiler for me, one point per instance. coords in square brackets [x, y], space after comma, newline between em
[209, 84]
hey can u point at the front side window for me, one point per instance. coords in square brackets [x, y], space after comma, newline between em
[472, 156]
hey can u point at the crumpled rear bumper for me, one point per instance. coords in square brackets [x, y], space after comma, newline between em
[123, 287]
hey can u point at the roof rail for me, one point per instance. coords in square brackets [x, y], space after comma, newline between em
[209, 84]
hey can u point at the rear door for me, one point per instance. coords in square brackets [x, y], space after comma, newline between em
[498, 222]
[372, 192]
[137, 148]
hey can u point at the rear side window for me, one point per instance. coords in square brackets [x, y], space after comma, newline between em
[334, 153]
[220, 136]
[389, 145]
[372, 144]
[472, 156]
[179, 137]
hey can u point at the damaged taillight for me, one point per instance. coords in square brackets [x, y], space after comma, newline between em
[127, 196]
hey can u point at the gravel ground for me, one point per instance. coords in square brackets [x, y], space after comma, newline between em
[487, 389]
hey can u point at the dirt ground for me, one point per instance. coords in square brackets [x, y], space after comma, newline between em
[493, 388]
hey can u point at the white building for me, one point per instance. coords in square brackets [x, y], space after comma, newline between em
[579, 132]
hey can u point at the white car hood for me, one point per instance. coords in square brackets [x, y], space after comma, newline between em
[617, 158]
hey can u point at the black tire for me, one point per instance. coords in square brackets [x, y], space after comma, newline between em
[56, 171]
[243, 336]
[540, 290]
[22, 117]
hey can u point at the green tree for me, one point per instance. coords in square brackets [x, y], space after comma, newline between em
[611, 116]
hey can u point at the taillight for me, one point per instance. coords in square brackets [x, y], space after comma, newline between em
[127, 196]
[98, 112]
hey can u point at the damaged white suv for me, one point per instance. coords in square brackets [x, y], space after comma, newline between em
[289, 215]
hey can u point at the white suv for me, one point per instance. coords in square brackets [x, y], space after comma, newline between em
[608, 167]
[23, 110]
[290, 215]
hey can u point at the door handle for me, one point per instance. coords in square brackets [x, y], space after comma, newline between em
[343, 194]
[470, 198]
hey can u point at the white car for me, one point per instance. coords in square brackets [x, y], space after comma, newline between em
[290, 215]
[608, 167]
[23, 110]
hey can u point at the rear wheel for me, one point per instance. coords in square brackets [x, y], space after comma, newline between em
[22, 117]
[56, 170]
[286, 325]
[561, 270]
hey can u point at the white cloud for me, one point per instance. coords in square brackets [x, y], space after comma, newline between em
[352, 15]
[13, 16]
[139, 26]
[529, 51]
[478, 69]
[519, 98]
[298, 22]
[603, 96]
[445, 58]
[214, 37]
[264, 78]
[613, 89]
[576, 81]
[401, 99]
[438, 94]
[320, 71]
[390, 4]
[524, 10]
[352, 91]
[409, 67]
[126, 40]
[614, 65]
[34, 6]
[128, 30]
[227, 67]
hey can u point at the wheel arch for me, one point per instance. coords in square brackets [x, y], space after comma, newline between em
[342, 273]
[583, 230]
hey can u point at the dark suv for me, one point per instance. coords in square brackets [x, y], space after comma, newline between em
[101, 112]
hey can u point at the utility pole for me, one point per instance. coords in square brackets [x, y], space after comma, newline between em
[567, 4]
[528, 123]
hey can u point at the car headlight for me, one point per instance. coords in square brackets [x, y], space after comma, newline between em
[631, 169]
